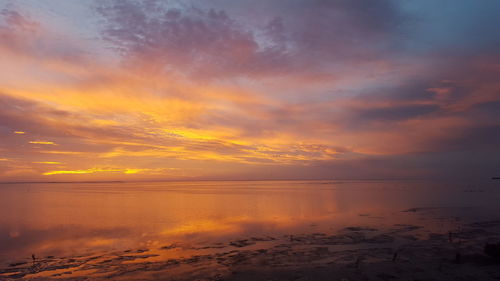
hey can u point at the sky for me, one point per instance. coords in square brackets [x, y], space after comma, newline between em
[249, 89]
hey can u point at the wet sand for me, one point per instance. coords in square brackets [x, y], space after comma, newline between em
[401, 252]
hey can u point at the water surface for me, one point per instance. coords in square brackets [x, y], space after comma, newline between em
[66, 219]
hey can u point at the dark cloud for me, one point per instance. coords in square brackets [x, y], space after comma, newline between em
[345, 30]
[396, 113]
[209, 42]
[466, 138]
[487, 110]
[201, 42]
[24, 115]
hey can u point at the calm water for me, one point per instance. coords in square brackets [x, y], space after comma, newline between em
[78, 218]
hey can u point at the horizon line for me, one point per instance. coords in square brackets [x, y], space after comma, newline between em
[226, 180]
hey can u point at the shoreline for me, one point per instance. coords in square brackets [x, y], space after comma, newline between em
[400, 252]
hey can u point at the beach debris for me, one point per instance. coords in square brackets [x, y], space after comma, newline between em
[264, 238]
[414, 210]
[17, 264]
[34, 259]
[359, 228]
[386, 276]
[492, 250]
[395, 256]
[381, 238]
[487, 224]
[241, 243]
[458, 257]
[399, 228]
[168, 247]
[358, 261]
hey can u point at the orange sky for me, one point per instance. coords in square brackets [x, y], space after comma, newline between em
[126, 90]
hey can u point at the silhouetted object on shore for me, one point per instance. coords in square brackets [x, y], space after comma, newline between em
[395, 256]
[458, 258]
[358, 261]
[492, 250]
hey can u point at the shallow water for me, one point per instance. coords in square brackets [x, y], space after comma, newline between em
[69, 219]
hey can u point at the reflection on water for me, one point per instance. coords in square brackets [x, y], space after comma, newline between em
[79, 218]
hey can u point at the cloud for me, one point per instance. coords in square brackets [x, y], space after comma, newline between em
[398, 113]
[21, 35]
[240, 89]
[93, 170]
[43, 142]
[206, 42]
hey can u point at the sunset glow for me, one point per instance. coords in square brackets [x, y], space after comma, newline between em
[132, 90]
[232, 140]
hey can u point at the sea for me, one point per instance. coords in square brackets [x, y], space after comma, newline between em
[72, 219]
